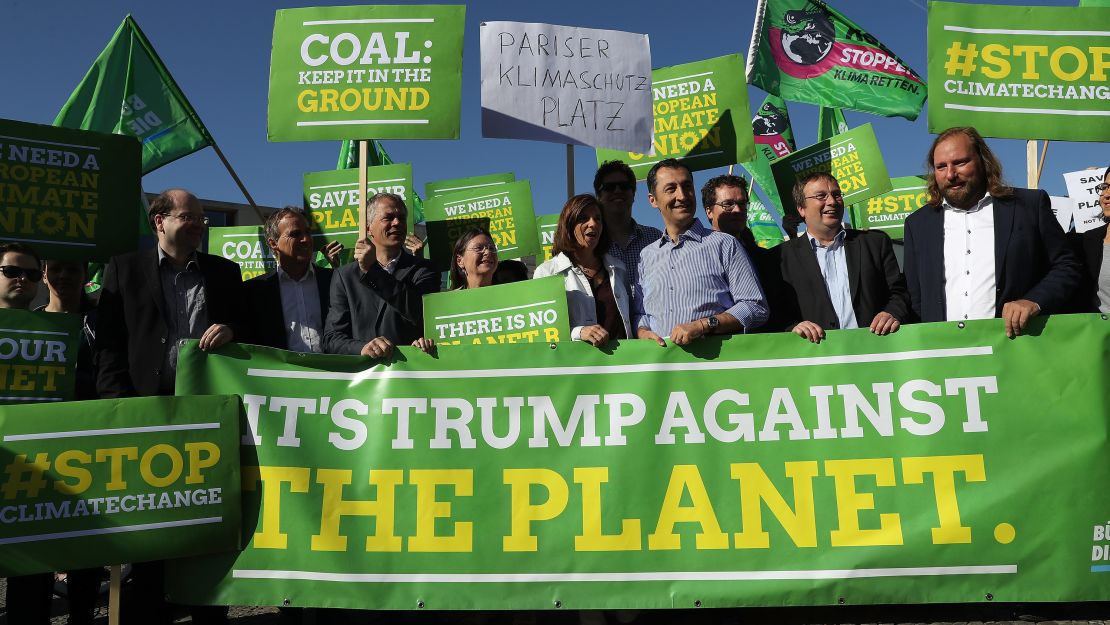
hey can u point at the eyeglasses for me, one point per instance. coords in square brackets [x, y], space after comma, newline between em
[823, 197]
[188, 218]
[1102, 187]
[731, 204]
[609, 187]
[13, 272]
[292, 234]
[478, 249]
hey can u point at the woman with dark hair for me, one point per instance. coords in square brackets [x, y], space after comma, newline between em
[475, 260]
[597, 298]
[1095, 254]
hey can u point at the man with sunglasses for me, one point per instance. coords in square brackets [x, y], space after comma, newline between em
[615, 187]
[839, 278]
[19, 276]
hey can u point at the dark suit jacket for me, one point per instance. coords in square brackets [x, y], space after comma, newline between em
[131, 334]
[767, 262]
[1032, 259]
[1088, 246]
[366, 306]
[874, 279]
[267, 322]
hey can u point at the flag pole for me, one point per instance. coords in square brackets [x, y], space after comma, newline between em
[363, 155]
[1031, 163]
[235, 177]
[1040, 167]
[114, 576]
[570, 171]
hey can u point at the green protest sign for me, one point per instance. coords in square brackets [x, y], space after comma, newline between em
[505, 210]
[765, 229]
[245, 245]
[380, 72]
[331, 200]
[807, 51]
[853, 158]
[38, 355]
[161, 482]
[70, 194]
[546, 225]
[532, 311]
[1020, 72]
[486, 181]
[512, 476]
[701, 115]
[888, 212]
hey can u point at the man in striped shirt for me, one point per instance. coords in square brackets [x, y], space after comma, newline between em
[692, 281]
[615, 187]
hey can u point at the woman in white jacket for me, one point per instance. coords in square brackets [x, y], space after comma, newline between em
[597, 298]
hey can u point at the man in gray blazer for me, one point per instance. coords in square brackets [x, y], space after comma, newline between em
[376, 302]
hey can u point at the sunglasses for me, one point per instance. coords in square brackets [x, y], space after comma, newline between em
[15, 273]
[609, 187]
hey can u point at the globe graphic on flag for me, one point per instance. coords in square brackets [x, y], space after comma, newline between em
[806, 47]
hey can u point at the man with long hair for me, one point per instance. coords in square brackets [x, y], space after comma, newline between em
[980, 248]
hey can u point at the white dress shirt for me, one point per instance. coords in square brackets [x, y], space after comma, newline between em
[832, 259]
[300, 308]
[969, 272]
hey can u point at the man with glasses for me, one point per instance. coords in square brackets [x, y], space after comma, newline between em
[150, 301]
[615, 188]
[840, 278]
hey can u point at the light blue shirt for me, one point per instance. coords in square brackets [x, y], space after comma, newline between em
[834, 269]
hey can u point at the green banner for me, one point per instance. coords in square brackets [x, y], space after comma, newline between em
[774, 138]
[533, 311]
[487, 181]
[161, 482]
[760, 470]
[245, 245]
[853, 158]
[128, 91]
[505, 210]
[381, 72]
[70, 194]
[701, 111]
[38, 356]
[546, 225]
[332, 203]
[1020, 72]
[888, 212]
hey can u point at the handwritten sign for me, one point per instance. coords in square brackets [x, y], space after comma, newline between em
[565, 84]
[1081, 190]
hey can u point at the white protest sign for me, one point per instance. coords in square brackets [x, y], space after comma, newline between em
[1063, 208]
[1081, 190]
[565, 84]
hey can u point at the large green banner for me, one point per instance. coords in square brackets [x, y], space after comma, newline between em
[332, 203]
[701, 115]
[38, 356]
[853, 158]
[366, 72]
[532, 311]
[118, 480]
[760, 470]
[546, 225]
[487, 181]
[245, 245]
[1020, 72]
[70, 194]
[888, 212]
[505, 210]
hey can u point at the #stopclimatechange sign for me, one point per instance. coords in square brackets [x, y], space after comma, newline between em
[888, 212]
[381, 72]
[532, 311]
[1020, 72]
[245, 245]
[853, 158]
[565, 84]
[70, 194]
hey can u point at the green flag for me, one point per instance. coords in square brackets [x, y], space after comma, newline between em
[830, 123]
[376, 156]
[128, 91]
[773, 139]
[807, 51]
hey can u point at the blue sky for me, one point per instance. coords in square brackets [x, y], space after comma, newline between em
[219, 53]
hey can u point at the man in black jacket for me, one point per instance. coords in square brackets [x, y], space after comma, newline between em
[840, 278]
[377, 301]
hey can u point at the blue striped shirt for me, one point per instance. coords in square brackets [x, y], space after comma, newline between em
[705, 273]
[639, 237]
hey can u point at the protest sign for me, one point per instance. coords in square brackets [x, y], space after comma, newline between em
[367, 72]
[546, 225]
[439, 187]
[565, 84]
[245, 245]
[1081, 189]
[853, 158]
[532, 311]
[888, 212]
[807, 51]
[1021, 72]
[503, 210]
[1063, 208]
[332, 203]
[513, 476]
[701, 113]
[39, 355]
[774, 139]
[161, 482]
[70, 194]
